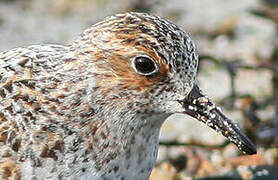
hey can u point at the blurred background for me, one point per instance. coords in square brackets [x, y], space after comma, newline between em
[238, 45]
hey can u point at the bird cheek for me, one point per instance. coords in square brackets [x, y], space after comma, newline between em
[173, 107]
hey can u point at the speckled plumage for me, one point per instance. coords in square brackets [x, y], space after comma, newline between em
[83, 112]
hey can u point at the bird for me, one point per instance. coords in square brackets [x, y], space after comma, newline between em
[93, 109]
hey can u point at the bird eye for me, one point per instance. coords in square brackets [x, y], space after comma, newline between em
[144, 65]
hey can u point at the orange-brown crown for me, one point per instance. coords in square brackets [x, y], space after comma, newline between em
[113, 44]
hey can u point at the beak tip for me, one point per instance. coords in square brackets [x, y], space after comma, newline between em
[242, 141]
[248, 148]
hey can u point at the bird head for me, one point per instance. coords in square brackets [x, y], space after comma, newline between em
[147, 64]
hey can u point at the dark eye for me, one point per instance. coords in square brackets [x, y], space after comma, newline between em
[145, 65]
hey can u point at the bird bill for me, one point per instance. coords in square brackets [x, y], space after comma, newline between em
[199, 106]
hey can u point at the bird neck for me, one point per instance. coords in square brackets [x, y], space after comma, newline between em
[123, 143]
[111, 138]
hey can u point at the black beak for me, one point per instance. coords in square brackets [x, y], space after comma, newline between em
[200, 107]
